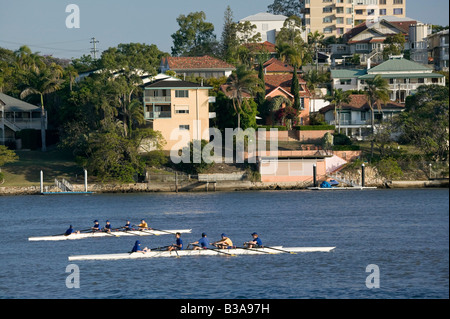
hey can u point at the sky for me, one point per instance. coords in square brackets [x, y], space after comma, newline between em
[42, 24]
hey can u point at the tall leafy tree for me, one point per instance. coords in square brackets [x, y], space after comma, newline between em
[229, 42]
[377, 92]
[285, 7]
[242, 82]
[261, 95]
[338, 98]
[42, 82]
[195, 37]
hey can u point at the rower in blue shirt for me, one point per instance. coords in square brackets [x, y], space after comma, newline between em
[178, 245]
[255, 243]
[96, 226]
[107, 228]
[69, 231]
[202, 243]
[127, 226]
[137, 248]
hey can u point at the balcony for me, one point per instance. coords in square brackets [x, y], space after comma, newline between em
[158, 115]
[158, 99]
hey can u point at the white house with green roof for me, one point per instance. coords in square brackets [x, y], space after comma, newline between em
[404, 77]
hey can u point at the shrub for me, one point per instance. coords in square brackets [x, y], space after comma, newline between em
[389, 168]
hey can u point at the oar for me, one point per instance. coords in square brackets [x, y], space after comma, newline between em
[284, 251]
[164, 231]
[260, 251]
[222, 252]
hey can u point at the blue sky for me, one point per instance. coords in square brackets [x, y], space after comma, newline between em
[41, 24]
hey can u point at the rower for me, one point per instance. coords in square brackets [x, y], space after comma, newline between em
[107, 228]
[137, 248]
[224, 243]
[255, 243]
[143, 225]
[127, 226]
[96, 226]
[202, 243]
[178, 245]
[70, 231]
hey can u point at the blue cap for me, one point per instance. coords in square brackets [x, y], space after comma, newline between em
[224, 235]
[203, 234]
[254, 234]
[95, 221]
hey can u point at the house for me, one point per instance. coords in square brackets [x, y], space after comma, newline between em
[17, 115]
[404, 77]
[367, 39]
[438, 50]
[267, 25]
[355, 117]
[264, 47]
[174, 107]
[205, 66]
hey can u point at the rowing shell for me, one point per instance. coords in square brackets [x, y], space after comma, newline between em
[203, 252]
[111, 234]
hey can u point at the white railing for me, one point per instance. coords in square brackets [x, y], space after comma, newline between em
[158, 99]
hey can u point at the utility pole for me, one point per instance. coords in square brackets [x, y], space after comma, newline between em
[94, 49]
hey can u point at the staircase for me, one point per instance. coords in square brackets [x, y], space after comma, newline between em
[64, 185]
[11, 125]
[341, 179]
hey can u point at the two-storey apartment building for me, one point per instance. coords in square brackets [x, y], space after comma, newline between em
[336, 17]
[174, 107]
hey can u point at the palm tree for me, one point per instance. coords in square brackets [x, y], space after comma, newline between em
[338, 98]
[313, 78]
[377, 92]
[41, 82]
[314, 40]
[240, 82]
[72, 74]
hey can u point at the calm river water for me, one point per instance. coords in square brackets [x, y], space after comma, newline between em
[404, 232]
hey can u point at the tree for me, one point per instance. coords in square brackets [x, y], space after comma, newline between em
[313, 78]
[229, 42]
[261, 95]
[295, 58]
[425, 122]
[6, 156]
[285, 7]
[394, 45]
[240, 83]
[338, 98]
[291, 32]
[195, 37]
[41, 82]
[377, 92]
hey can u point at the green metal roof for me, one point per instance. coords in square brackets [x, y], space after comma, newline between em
[402, 76]
[399, 65]
[347, 73]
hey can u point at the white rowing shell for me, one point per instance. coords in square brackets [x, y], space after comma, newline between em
[111, 234]
[202, 252]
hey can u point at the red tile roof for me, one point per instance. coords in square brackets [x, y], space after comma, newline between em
[359, 102]
[273, 81]
[204, 62]
[274, 65]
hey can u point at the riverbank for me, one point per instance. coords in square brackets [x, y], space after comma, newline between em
[205, 187]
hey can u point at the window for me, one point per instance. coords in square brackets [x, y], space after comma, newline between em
[382, 1]
[421, 80]
[339, 10]
[265, 26]
[182, 93]
[328, 30]
[349, 21]
[382, 12]
[181, 109]
[327, 20]
[327, 9]
[398, 1]
[346, 82]
[398, 11]
[339, 20]
[359, 11]
[363, 116]
[349, 10]
[361, 47]
[183, 127]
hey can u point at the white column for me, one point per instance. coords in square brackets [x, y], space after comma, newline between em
[85, 181]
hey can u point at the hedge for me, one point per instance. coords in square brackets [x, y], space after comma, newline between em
[315, 127]
[268, 127]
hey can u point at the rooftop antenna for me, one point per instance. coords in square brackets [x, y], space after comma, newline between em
[94, 49]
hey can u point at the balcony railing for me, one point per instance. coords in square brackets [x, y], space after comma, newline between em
[157, 99]
[351, 122]
[158, 115]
